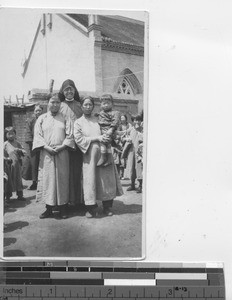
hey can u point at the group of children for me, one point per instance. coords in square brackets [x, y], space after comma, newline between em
[112, 124]
[128, 152]
[119, 130]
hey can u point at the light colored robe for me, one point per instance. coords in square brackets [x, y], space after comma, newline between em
[99, 183]
[134, 168]
[53, 185]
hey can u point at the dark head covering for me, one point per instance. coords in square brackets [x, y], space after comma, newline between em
[65, 84]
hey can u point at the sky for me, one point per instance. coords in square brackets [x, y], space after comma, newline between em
[17, 30]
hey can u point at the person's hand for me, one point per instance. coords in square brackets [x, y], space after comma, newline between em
[100, 138]
[110, 131]
[59, 148]
[50, 150]
[24, 151]
[105, 138]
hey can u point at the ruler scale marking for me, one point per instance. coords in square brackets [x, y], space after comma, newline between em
[87, 280]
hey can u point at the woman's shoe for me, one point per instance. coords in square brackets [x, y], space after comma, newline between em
[63, 212]
[107, 212]
[131, 188]
[89, 214]
[63, 216]
[47, 214]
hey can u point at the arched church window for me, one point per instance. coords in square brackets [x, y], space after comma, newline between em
[127, 84]
[125, 88]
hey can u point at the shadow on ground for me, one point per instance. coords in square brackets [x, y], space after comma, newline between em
[120, 208]
[9, 240]
[14, 204]
[13, 253]
[15, 225]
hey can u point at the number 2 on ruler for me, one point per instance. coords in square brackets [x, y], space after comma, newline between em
[109, 293]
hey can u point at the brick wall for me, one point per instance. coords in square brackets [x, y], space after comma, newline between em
[19, 117]
[127, 106]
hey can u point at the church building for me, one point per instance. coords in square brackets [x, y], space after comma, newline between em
[101, 54]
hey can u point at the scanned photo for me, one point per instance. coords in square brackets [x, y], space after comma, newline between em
[74, 97]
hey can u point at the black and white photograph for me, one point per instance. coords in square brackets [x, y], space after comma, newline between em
[74, 152]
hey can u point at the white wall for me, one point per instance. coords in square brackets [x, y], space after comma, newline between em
[64, 52]
[35, 76]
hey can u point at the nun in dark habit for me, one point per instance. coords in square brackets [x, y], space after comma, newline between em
[69, 95]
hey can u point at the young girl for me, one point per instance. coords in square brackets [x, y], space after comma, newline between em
[14, 152]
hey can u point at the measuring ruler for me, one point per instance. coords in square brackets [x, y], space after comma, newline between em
[112, 280]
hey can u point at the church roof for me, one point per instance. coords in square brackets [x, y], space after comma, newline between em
[117, 28]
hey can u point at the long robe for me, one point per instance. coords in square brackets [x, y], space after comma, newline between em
[99, 183]
[31, 162]
[134, 168]
[8, 184]
[72, 109]
[53, 185]
[12, 150]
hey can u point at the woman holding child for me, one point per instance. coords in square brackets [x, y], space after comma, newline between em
[99, 182]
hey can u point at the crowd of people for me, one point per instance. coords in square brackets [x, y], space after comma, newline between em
[77, 158]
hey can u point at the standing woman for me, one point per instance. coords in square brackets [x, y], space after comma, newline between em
[38, 110]
[99, 183]
[124, 124]
[69, 95]
[53, 136]
[134, 167]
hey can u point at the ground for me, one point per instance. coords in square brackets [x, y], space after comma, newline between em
[117, 236]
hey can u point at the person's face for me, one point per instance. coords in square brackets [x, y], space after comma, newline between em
[106, 105]
[137, 123]
[87, 107]
[10, 135]
[54, 105]
[123, 119]
[69, 92]
[38, 111]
